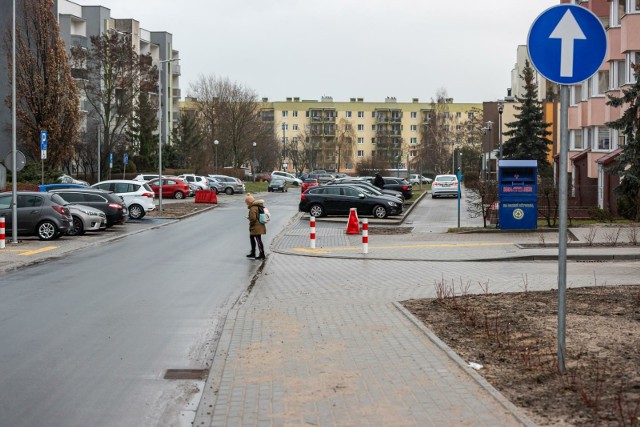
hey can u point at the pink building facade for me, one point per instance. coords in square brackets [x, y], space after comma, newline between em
[592, 145]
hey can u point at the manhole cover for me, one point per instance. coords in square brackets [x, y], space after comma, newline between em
[186, 374]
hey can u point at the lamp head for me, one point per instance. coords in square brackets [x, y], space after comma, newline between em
[216, 142]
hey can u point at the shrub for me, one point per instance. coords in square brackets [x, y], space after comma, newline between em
[600, 215]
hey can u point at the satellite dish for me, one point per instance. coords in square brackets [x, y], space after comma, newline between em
[21, 160]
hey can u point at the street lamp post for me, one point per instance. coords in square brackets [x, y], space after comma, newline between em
[284, 144]
[162, 116]
[488, 127]
[253, 157]
[500, 110]
[215, 144]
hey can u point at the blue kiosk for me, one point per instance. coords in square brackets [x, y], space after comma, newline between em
[518, 194]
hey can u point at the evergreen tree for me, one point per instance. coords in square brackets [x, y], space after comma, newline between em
[141, 133]
[628, 162]
[189, 141]
[528, 134]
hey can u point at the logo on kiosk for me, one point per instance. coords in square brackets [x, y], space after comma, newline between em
[518, 213]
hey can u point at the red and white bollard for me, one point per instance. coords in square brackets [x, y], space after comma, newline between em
[2, 236]
[365, 236]
[312, 235]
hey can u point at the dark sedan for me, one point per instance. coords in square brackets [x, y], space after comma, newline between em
[371, 187]
[278, 184]
[398, 184]
[108, 202]
[340, 198]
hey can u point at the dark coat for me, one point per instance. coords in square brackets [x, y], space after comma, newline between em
[378, 181]
[255, 227]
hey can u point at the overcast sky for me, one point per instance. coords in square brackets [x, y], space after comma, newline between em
[367, 49]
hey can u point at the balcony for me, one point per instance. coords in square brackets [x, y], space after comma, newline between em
[175, 70]
[176, 93]
[78, 40]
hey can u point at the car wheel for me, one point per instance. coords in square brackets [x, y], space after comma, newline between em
[229, 191]
[433, 196]
[47, 230]
[285, 190]
[379, 211]
[268, 190]
[136, 212]
[178, 195]
[216, 190]
[316, 210]
[77, 228]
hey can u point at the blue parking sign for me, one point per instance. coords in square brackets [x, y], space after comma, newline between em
[43, 140]
[125, 159]
[567, 44]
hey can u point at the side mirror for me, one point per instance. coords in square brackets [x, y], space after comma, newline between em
[361, 196]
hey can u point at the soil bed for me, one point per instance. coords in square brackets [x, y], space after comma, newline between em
[179, 210]
[513, 336]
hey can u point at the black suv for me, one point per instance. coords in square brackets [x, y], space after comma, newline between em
[107, 201]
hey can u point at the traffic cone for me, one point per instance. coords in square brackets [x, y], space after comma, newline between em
[353, 226]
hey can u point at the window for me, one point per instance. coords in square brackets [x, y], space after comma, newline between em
[373, 140]
[295, 126]
[414, 140]
[414, 128]
[632, 58]
[373, 128]
[360, 140]
[347, 114]
[575, 137]
[295, 114]
[599, 83]
[584, 93]
[458, 114]
[351, 192]
[575, 95]
[361, 127]
[470, 116]
[603, 138]
[285, 114]
[445, 115]
[360, 153]
[294, 140]
[413, 153]
[414, 114]
[5, 202]
[361, 114]
[616, 74]
[458, 127]
[347, 127]
[285, 126]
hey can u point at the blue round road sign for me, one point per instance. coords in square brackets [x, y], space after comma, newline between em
[567, 44]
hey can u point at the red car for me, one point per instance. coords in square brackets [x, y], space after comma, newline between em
[171, 187]
[309, 182]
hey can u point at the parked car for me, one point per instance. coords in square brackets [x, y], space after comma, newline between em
[398, 184]
[230, 184]
[444, 185]
[278, 184]
[290, 178]
[368, 185]
[45, 215]
[340, 198]
[416, 179]
[137, 195]
[108, 202]
[66, 179]
[307, 183]
[200, 181]
[322, 178]
[215, 185]
[261, 176]
[47, 187]
[85, 218]
[145, 177]
[171, 187]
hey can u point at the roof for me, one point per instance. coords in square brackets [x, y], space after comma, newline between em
[610, 157]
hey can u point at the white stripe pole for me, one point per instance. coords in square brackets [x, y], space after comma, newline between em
[365, 235]
[2, 235]
[312, 235]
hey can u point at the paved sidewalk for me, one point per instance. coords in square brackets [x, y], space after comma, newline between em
[321, 341]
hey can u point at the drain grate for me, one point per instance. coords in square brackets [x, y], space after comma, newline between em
[186, 374]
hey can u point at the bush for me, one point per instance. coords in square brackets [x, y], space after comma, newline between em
[627, 207]
[600, 215]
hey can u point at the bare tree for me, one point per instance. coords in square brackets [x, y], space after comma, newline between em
[115, 77]
[229, 113]
[481, 194]
[47, 96]
[345, 139]
[438, 135]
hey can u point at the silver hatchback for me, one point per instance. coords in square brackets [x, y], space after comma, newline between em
[230, 184]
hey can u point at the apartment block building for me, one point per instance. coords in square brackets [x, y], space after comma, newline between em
[593, 146]
[77, 24]
[390, 130]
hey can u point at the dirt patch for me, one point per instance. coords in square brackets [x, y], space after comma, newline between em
[513, 337]
[390, 230]
[179, 210]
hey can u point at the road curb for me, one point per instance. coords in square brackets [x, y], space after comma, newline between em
[499, 397]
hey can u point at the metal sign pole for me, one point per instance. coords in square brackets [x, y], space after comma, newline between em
[562, 232]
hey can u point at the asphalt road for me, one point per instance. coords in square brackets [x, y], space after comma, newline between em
[87, 339]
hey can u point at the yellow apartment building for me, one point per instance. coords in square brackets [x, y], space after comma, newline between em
[340, 135]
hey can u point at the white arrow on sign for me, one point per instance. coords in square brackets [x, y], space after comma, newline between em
[568, 30]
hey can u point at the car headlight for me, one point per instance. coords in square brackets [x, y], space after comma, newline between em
[392, 203]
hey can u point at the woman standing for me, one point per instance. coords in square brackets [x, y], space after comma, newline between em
[256, 228]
